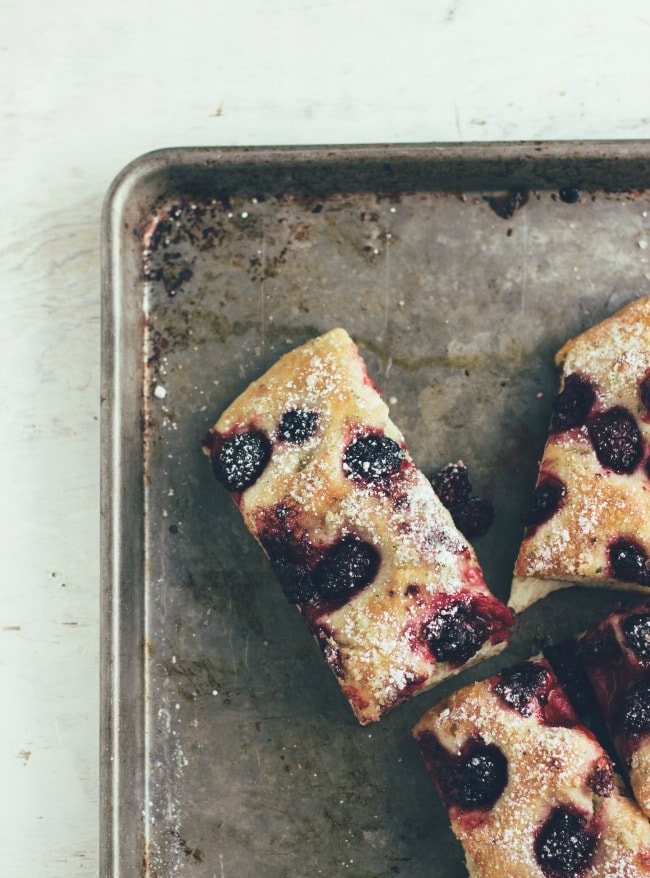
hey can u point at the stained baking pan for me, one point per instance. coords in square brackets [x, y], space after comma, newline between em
[227, 748]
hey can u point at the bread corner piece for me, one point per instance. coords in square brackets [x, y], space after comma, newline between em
[391, 591]
[528, 790]
[588, 522]
[615, 654]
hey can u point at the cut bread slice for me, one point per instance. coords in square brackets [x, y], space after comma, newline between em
[390, 589]
[529, 791]
[615, 653]
[589, 518]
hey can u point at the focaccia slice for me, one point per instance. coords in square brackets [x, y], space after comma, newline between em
[528, 790]
[616, 656]
[589, 519]
[390, 589]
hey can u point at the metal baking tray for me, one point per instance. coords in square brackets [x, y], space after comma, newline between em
[226, 746]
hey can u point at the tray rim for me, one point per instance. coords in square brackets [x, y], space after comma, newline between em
[122, 610]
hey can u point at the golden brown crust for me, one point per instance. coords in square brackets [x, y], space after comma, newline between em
[548, 766]
[599, 505]
[373, 641]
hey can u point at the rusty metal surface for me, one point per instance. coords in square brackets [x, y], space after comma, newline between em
[227, 748]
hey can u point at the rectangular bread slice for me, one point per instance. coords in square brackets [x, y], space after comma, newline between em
[589, 518]
[390, 589]
[529, 791]
[615, 654]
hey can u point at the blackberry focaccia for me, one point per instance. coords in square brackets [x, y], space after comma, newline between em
[529, 791]
[389, 588]
[589, 519]
[616, 656]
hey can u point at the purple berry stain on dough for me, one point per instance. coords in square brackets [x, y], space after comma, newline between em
[519, 684]
[573, 404]
[474, 778]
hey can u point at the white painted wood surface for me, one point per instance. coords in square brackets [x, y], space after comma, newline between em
[86, 88]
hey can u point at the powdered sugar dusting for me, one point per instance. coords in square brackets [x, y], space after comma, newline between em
[600, 505]
[547, 766]
[379, 630]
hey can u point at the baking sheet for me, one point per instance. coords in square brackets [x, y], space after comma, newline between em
[227, 748]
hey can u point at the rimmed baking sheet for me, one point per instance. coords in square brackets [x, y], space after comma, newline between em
[227, 748]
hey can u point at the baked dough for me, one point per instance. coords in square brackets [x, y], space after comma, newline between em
[615, 653]
[589, 519]
[390, 589]
[528, 790]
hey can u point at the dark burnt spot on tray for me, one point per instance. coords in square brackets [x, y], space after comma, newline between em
[570, 194]
[192, 853]
[263, 268]
[506, 204]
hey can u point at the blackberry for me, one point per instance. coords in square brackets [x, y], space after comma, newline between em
[545, 501]
[629, 561]
[455, 634]
[617, 440]
[636, 630]
[480, 778]
[297, 425]
[241, 459]
[451, 484]
[563, 847]
[350, 565]
[635, 710]
[372, 457]
[475, 518]
[573, 404]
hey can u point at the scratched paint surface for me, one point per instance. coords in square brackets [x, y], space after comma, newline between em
[255, 764]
